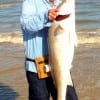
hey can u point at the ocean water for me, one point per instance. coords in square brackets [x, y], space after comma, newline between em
[10, 11]
[87, 16]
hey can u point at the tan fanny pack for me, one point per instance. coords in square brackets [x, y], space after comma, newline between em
[42, 66]
[43, 69]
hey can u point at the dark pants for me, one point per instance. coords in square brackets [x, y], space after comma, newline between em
[40, 89]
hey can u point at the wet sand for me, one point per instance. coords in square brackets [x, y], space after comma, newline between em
[85, 71]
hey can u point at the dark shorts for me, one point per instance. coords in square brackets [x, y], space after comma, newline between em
[40, 89]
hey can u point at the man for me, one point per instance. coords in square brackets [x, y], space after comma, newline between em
[36, 18]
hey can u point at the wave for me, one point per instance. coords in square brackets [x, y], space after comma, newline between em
[83, 38]
[8, 4]
[88, 38]
[89, 31]
[11, 37]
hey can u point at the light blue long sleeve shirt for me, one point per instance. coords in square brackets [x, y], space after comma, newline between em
[35, 24]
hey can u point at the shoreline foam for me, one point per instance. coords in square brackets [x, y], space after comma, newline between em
[88, 38]
[16, 38]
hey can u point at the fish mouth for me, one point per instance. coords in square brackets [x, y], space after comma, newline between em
[62, 17]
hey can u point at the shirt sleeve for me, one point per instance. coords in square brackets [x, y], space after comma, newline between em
[34, 17]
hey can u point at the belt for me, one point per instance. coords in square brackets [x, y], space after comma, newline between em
[39, 62]
[29, 59]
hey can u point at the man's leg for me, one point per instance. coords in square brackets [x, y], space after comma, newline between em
[37, 87]
[71, 93]
[51, 88]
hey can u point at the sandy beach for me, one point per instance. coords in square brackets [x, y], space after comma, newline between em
[85, 71]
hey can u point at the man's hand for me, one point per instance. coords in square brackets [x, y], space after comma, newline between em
[52, 14]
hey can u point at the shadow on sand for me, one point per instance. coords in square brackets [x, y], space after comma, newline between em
[7, 93]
